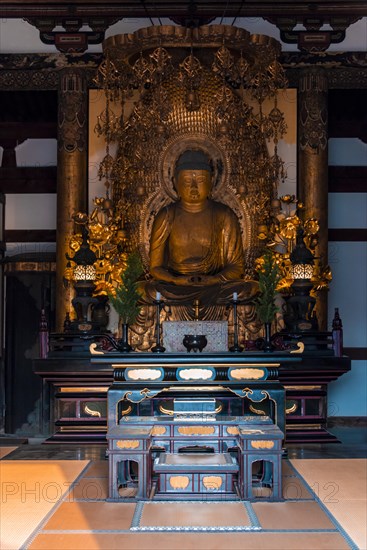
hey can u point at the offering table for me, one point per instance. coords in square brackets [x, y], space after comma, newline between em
[159, 446]
[142, 427]
[245, 383]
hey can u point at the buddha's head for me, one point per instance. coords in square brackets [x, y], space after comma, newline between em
[193, 176]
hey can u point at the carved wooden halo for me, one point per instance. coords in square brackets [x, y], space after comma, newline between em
[150, 209]
[222, 191]
[166, 192]
[178, 145]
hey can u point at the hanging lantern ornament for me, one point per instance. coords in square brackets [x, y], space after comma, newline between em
[300, 307]
[302, 259]
[84, 275]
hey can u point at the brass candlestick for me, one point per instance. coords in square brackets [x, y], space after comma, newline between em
[196, 310]
[236, 347]
[158, 348]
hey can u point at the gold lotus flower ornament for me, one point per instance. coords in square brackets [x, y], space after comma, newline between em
[259, 263]
[288, 227]
[97, 232]
[262, 232]
[75, 242]
[288, 199]
[80, 217]
[69, 273]
[311, 226]
[278, 231]
[284, 284]
[103, 288]
[321, 277]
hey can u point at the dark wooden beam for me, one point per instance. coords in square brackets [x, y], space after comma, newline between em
[348, 114]
[166, 8]
[39, 179]
[347, 179]
[357, 354]
[348, 235]
[30, 235]
[49, 235]
[28, 130]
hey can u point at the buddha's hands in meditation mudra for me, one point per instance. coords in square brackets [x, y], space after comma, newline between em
[196, 242]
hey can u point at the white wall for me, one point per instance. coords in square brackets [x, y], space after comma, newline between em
[348, 290]
[32, 211]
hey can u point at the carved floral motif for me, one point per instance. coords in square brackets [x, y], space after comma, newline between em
[179, 482]
[127, 444]
[262, 444]
[196, 430]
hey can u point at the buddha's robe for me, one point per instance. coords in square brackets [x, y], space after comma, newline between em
[205, 247]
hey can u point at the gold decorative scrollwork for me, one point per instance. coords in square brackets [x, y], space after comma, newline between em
[93, 349]
[92, 412]
[300, 348]
[257, 411]
[145, 393]
[170, 412]
[292, 408]
[126, 411]
[163, 410]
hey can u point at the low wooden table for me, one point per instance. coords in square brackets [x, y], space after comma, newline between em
[159, 445]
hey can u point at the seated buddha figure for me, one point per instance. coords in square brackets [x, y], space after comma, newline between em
[196, 245]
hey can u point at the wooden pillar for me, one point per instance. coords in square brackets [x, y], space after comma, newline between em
[71, 175]
[313, 162]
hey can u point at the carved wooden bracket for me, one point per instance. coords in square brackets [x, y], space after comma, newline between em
[72, 39]
[313, 37]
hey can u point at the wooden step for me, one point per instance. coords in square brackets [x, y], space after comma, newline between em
[196, 473]
[195, 462]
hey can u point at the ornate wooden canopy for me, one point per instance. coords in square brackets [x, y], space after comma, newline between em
[324, 21]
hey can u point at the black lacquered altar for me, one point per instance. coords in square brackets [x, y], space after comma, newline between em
[241, 383]
[75, 385]
[170, 447]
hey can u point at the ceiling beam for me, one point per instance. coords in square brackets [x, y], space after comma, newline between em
[166, 8]
[72, 17]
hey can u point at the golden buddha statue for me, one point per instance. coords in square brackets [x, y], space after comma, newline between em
[196, 245]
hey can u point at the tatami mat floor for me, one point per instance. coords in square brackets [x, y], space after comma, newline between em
[83, 519]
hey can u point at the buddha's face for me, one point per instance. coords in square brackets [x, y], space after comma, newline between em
[194, 186]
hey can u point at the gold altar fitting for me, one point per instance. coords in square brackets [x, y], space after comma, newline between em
[196, 310]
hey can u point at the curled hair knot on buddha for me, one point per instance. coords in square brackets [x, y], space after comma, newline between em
[193, 159]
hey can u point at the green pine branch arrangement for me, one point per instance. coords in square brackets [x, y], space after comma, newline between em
[126, 299]
[269, 276]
